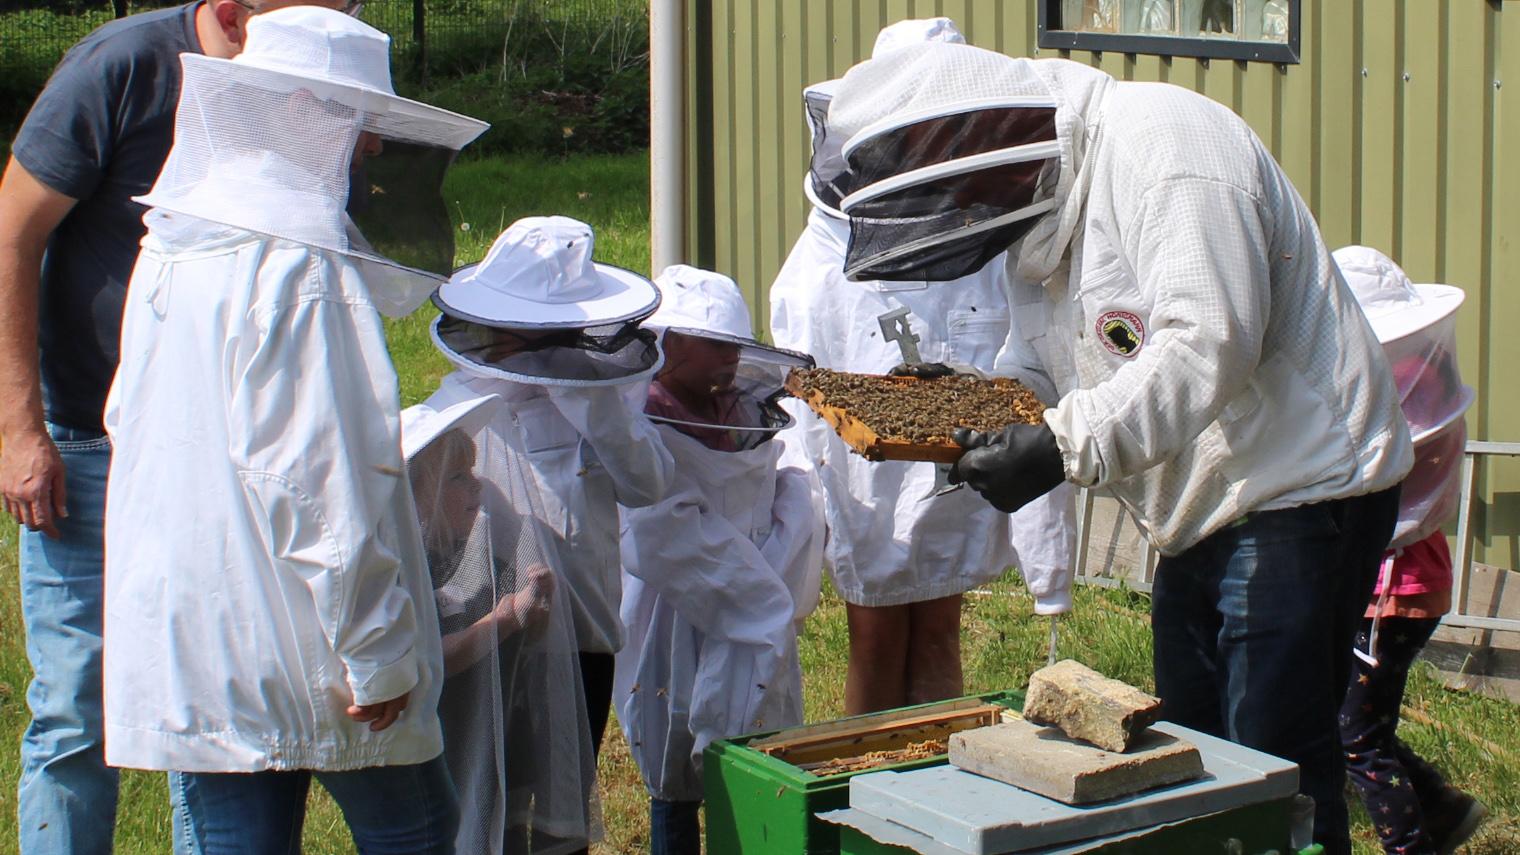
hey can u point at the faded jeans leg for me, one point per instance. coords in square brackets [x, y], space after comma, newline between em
[66, 795]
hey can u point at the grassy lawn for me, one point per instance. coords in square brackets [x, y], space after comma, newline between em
[1472, 738]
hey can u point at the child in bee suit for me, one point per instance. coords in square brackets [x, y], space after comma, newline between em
[1413, 809]
[512, 708]
[899, 556]
[557, 336]
[281, 629]
[718, 575]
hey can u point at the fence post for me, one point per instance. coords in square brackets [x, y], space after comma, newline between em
[119, 7]
[419, 38]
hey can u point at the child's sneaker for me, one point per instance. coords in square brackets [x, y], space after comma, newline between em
[1451, 821]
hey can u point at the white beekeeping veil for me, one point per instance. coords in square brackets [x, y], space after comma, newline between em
[746, 380]
[516, 737]
[301, 137]
[539, 310]
[1416, 324]
[824, 187]
[956, 153]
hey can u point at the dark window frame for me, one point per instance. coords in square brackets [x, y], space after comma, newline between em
[1282, 53]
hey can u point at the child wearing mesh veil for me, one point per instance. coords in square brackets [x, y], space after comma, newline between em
[556, 335]
[282, 628]
[514, 719]
[719, 574]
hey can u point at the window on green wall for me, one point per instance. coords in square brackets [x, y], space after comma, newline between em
[1260, 30]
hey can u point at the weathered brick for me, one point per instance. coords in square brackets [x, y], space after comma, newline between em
[1089, 706]
[1045, 761]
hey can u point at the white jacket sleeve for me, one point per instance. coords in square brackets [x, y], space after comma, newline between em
[612, 420]
[795, 545]
[1044, 536]
[315, 412]
[707, 569]
[1200, 248]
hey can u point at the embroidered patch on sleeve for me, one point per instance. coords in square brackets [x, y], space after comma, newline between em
[1123, 333]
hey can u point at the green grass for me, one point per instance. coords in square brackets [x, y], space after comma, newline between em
[1472, 738]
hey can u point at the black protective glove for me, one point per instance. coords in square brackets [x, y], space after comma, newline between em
[922, 370]
[1010, 468]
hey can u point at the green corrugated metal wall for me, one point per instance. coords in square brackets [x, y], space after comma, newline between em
[1394, 127]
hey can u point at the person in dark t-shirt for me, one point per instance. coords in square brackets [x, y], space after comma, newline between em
[96, 136]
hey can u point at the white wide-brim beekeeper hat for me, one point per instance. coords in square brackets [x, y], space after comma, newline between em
[539, 274]
[421, 424]
[1416, 325]
[270, 142]
[702, 303]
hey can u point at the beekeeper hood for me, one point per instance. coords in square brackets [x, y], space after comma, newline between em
[539, 310]
[301, 137]
[956, 153]
[706, 305]
[1416, 324]
[824, 186]
[511, 706]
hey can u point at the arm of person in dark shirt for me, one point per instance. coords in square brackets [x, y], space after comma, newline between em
[31, 471]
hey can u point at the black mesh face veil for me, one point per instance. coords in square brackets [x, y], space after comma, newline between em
[609, 353]
[395, 200]
[941, 196]
[748, 406]
[826, 169]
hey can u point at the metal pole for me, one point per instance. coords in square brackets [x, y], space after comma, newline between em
[667, 133]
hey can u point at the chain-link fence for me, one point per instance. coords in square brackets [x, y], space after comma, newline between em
[431, 40]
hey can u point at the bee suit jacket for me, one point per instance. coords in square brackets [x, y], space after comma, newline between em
[264, 565]
[887, 544]
[1209, 358]
[717, 576]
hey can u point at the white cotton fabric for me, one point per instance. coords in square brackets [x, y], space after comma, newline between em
[1176, 222]
[263, 564]
[717, 578]
[888, 545]
[591, 448]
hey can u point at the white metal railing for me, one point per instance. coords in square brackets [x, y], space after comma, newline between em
[1462, 567]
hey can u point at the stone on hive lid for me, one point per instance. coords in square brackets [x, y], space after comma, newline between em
[1089, 706]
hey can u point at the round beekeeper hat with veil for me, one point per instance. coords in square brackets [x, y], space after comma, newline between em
[516, 737]
[706, 305]
[826, 180]
[1416, 325]
[955, 154]
[302, 137]
[539, 310]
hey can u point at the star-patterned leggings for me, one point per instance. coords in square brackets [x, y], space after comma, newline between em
[1393, 781]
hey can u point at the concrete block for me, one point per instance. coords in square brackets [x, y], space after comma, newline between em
[1045, 761]
[1089, 706]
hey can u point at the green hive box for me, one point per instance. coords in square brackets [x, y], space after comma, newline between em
[760, 805]
[1259, 829]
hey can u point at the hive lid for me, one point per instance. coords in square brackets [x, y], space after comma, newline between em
[970, 814]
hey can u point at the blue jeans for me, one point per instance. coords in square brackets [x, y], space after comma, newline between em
[66, 795]
[390, 810]
[673, 828]
[1254, 627]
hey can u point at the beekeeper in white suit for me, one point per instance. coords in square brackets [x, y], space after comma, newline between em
[1214, 372]
[557, 336]
[268, 615]
[719, 574]
[901, 559]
